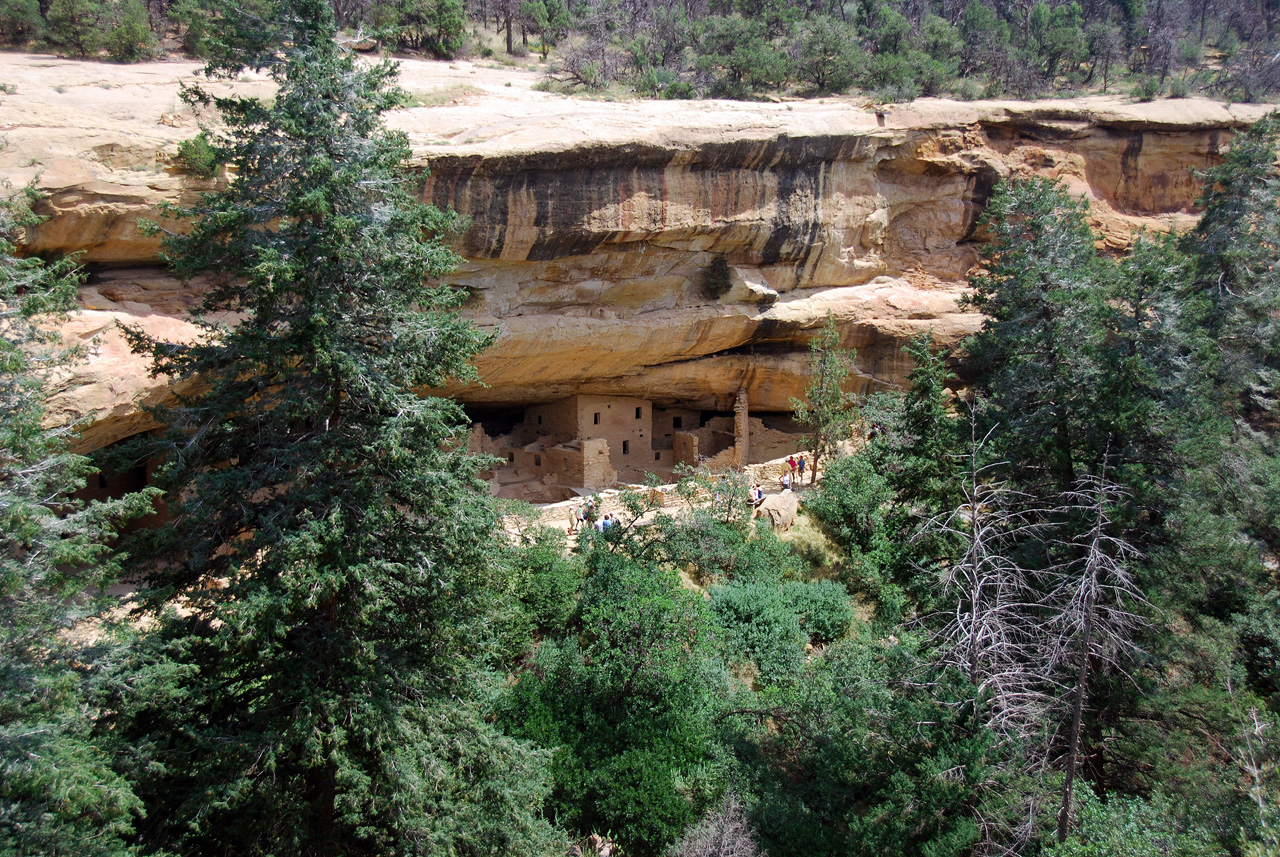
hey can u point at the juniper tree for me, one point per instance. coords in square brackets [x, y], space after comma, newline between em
[329, 545]
[58, 794]
[827, 411]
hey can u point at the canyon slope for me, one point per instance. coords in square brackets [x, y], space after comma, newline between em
[593, 224]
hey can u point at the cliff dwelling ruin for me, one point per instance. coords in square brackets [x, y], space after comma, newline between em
[560, 450]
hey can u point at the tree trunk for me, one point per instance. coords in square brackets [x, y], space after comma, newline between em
[1077, 714]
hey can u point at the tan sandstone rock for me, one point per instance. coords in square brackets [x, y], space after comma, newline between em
[592, 223]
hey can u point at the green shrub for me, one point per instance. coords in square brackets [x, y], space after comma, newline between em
[680, 89]
[1178, 87]
[850, 502]
[191, 19]
[438, 27]
[1147, 88]
[717, 278]
[761, 627]
[626, 707]
[827, 53]
[822, 608]
[712, 551]
[74, 25]
[740, 57]
[129, 38]
[968, 89]
[932, 76]
[198, 156]
[1132, 827]
[20, 20]
[552, 580]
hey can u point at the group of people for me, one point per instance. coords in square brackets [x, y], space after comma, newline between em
[793, 476]
[584, 516]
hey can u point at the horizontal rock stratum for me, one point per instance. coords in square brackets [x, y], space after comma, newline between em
[593, 223]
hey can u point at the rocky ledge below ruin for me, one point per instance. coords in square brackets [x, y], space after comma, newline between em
[593, 223]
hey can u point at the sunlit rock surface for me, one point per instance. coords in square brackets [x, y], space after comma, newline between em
[592, 224]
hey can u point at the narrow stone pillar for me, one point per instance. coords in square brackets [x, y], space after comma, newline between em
[741, 428]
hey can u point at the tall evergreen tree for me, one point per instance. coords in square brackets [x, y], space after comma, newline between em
[329, 547]
[58, 794]
[1036, 353]
[1234, 299]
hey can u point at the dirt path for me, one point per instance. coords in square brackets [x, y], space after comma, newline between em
[768, 474]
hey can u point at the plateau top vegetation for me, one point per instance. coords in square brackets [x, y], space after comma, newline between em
[887, 49]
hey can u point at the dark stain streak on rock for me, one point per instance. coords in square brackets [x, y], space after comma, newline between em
[1129, 170]
[985, 179]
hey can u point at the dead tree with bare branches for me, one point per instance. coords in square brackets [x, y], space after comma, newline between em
[989, 627]
[723, 832]
[1094, 609]
[990, 631]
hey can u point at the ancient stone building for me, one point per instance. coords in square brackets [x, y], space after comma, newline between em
[584, 443]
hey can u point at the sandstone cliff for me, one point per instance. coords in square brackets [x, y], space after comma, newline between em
[592, 224]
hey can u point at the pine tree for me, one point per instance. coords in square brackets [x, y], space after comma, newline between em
[330, 548]
[1036, 355]
[58, 794]
[1234, 298]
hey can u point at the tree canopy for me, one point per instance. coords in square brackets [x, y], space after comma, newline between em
[327, 540]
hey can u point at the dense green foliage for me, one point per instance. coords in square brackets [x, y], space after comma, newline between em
[1097, 566]
[897, 51]
[58, 793]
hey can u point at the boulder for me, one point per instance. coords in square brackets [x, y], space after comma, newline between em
[781, 509]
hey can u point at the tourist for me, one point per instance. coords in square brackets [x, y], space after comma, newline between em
[573, 519]
[601, 524]
[800, 468]
[791, 462]
[786, 480]
[757, 495]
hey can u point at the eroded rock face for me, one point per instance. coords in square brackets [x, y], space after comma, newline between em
[592, 224]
